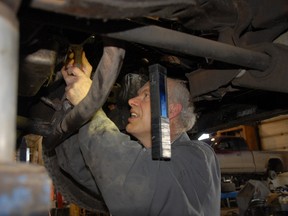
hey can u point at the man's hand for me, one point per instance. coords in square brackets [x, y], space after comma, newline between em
[78, 80]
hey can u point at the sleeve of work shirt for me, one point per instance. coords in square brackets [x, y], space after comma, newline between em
[70, 160]
[120, 167]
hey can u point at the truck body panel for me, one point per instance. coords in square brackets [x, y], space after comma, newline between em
[235, 157]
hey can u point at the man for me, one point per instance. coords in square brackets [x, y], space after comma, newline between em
[130, 182]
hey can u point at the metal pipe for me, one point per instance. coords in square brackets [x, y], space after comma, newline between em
[192, 45]
[33, 126]
[9, 37]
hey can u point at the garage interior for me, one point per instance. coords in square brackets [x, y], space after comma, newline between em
[240, 192]
[233, 55]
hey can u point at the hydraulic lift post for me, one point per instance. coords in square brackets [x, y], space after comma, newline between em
[25, 188]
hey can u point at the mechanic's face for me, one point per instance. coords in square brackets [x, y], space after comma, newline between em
[139, 123]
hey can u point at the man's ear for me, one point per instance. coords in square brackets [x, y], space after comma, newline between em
[174, 110]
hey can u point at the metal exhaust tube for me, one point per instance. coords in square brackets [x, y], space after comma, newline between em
[192, 45]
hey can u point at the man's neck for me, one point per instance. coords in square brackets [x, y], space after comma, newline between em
[175, 130]
[175, 136]
[146, 141]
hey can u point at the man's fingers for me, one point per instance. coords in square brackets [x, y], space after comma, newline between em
[86, 66]
[69, 62]
[64, 72]
[84, 59]
[75, 71]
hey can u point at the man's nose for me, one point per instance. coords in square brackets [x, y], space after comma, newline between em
[133, 101]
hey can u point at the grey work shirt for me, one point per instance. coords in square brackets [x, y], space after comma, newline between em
[108, 162]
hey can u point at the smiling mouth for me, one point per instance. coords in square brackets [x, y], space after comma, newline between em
[133, 115]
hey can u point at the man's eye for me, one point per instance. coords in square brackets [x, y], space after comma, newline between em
[146, 95]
